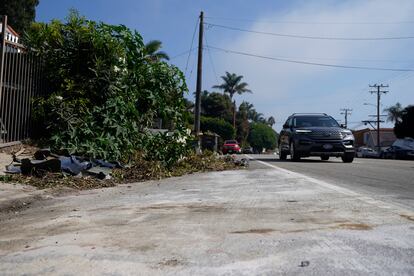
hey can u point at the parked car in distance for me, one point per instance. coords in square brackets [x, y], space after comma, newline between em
[364, 152]
[247, 150]
[395, 152]
[231, 146]
[315, 134]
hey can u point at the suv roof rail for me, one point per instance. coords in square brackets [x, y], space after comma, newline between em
[310, 114]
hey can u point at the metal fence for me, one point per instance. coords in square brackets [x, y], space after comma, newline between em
[20, 81]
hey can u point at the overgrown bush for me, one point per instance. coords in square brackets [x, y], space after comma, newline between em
[103, 93]
[405, 127]
[262, 136]
[219, 126]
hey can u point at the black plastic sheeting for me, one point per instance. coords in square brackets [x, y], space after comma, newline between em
[45, 161]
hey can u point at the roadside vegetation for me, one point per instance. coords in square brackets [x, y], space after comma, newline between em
[139, 169]
[221, 115]
[21, 13]
[104, 90]
[403, 119]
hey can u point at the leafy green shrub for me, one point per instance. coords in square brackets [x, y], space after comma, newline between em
[167, 148]
[262, 136]
[404, 127]
[219, 126]
[217, 105]
[104, 93]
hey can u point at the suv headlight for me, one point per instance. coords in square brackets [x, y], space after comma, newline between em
[347, 135]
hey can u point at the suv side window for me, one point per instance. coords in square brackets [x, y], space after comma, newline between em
[287, 122]
[291, 122]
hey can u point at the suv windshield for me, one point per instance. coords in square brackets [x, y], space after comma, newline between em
[314, 121]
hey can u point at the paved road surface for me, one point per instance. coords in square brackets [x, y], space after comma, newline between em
[388, 180]
[266, 220]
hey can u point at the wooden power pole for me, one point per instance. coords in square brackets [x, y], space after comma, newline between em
[199, 77]
[346, 112]
[378, 92]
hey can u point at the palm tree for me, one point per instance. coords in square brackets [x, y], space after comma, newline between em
[246, 108]
[152, 53]
[232, 85]
[271, 121]
[394, 113]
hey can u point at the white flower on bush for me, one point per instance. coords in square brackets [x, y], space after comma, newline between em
[182, 138]
[122, 61]
[59, 98]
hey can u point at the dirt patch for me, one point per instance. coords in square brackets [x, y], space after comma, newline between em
[28, 149]
[171, 262]
[254, 231]
[354, 226]
[304, 230]
[407, 217]
[191, 207]
[18, 204]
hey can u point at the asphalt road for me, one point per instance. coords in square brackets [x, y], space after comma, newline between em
[387, 180]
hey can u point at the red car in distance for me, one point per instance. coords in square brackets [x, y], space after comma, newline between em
[231, 146]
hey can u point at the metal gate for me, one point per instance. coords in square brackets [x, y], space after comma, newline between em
[20, 81]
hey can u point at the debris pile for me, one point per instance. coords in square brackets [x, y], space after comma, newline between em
[243, 162]
[45, 162]
[44, 169]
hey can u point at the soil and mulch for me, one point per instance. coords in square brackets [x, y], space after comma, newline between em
[137, 170]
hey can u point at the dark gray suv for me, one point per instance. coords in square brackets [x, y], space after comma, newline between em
[308, 134]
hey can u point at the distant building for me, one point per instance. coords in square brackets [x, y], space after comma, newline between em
[11, 34]
[368, 137]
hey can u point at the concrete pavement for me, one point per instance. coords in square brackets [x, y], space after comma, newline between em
[262, 221]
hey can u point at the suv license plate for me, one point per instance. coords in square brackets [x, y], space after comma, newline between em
[327, 146]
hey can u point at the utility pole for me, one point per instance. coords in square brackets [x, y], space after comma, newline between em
[346, 112]
[378, 92]
[199, 81]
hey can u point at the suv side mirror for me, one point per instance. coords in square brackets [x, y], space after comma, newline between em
[342, 126]
[285, 126]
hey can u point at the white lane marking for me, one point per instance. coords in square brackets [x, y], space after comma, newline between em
[364, 198]
[311, 179]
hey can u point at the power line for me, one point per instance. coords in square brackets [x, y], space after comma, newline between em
[313, 22]
[348, 59]
[311, 63]
[183, 53]
[211, 59]
[191, 47]
[406, 77]
[309, 37]
[400, 76]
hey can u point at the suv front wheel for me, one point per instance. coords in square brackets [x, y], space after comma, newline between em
[348, 157]
[282, 154]
[293, 153]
